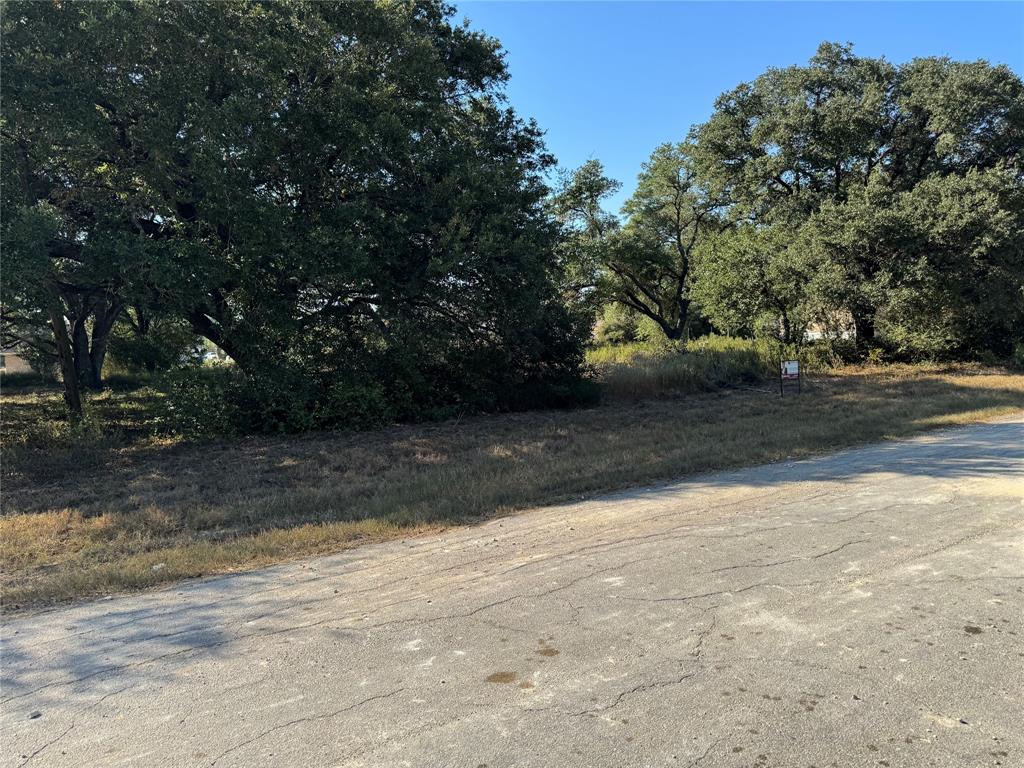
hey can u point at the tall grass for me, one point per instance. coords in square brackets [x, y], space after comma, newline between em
[640, 371]
[649, 369]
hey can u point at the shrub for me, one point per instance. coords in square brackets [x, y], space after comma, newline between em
[354, 406]
[27, 380]
[199, 401]
[164, 345]
[616, 325]
[220, 400]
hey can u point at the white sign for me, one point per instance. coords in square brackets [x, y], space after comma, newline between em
[791, 369]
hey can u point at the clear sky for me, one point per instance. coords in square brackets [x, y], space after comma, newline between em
[612, 80]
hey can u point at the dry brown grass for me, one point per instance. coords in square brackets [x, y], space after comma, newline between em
[137, 509]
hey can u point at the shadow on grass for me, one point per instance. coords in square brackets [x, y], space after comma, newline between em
[142, 514]
[71, 661]
[485, 463]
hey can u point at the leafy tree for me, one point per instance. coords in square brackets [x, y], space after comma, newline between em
[588, 231]
[967, 287]
[842, 145]
[671, 216]
[754, 281]
[325, 190]
[946, 269]
[646, 264]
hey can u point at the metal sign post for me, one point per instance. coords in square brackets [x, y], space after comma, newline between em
[789, 372]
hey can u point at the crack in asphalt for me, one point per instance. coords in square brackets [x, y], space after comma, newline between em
[48, 744]
[71, 727]
[706, 752]
[840, 548]
[307, 719]
[641, 688]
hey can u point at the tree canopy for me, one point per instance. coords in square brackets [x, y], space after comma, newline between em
[868, 165]
[337, 197]
[849, 187]
[325, 190]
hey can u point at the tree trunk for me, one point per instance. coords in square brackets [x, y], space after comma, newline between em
[675, 333]
[102, 325]
[864, 327]
[683, 306]
[787, 329]
[65, 354]
[80, 350]
[203, 325]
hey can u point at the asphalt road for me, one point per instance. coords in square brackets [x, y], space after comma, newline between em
[862, 609]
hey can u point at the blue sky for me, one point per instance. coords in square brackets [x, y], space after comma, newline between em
[612, 80]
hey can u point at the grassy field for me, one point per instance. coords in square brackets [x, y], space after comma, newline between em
[127, 507]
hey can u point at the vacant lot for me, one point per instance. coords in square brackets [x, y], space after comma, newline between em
[133, 509]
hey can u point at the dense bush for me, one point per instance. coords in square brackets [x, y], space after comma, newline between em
[222, 400]
[163, 345]
[616, 324]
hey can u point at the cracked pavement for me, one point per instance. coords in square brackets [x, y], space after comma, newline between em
[859, 609]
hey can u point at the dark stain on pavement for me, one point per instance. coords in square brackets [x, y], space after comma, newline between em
[547, 650]
[501, 677]
[973, 630]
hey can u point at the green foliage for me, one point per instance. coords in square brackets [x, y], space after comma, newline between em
[198, 401]
[163, 345]
[646, 265]
[618, 324]
[889, 194]
[849, 194]
[322, 190]
[753, 280]
[353, 405]
[940, 264]
[221, 400]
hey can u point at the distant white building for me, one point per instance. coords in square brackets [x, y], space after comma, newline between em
[12, 362]
[838, 326]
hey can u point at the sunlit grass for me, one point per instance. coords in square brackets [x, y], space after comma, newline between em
[87, 516]
[645, 370]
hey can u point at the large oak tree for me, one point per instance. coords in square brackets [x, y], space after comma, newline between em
[862, 162]
[328, 188]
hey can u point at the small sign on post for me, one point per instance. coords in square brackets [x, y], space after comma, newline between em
[789, 372]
